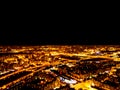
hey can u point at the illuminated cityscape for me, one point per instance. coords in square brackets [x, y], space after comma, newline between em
[60, 67]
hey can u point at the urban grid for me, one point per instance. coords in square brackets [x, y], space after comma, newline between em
[60, 67]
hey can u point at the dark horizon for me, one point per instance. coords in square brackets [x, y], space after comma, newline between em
[59, 38]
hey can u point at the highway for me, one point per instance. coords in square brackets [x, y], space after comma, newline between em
[22, 78]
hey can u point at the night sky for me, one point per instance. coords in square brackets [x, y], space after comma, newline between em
[89, 29]
[59, 26]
